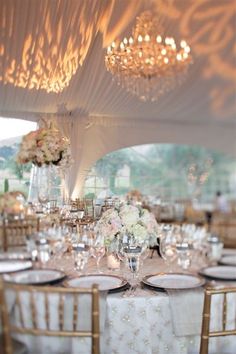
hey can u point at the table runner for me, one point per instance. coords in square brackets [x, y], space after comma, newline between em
[186, 311]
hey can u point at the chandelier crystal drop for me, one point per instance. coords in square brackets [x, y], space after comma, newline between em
[146, 64]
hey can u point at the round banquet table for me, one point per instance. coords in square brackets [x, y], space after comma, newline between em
[141, 324]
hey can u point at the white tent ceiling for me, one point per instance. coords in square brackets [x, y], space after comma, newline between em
[46, 44]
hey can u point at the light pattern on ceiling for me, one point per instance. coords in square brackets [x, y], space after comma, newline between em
[51, 50]
[209, 26]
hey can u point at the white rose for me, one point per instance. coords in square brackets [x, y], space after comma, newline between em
[139, 232]
[129, 215]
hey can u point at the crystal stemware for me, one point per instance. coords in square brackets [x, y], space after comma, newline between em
[168, 250]
[98, 253]
[81, 256]
[43, 200]
[184, 254]
[132, 255]
[98, 250]
[145, 252]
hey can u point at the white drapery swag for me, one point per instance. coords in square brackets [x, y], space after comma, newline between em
[96, 114]
[93, 137]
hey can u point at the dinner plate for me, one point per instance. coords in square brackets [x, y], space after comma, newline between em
[15, 256]
[10, 265]
[36, 277]
[106, 282]
[229, 251]
[173, 281]
[228, 260]
[221, 272]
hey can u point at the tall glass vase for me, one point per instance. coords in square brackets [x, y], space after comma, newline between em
[43, 184]
[48, 188]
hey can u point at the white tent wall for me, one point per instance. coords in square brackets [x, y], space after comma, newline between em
[93, 137]
[46, 43]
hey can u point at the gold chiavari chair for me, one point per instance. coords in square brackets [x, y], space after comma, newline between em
[206, 333]
[32, 325]
[79, 203]
[14, 233]
[226, 229]
[89, 208]
[109, 203]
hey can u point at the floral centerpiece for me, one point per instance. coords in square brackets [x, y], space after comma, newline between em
[136, 223]
[11, 203]
[134, 196]
[44, 146]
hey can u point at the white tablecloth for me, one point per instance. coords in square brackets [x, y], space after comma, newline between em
[133, 325]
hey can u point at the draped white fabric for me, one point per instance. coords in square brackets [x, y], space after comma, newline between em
[52, 65]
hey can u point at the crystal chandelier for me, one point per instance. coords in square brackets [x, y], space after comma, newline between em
[147, 64]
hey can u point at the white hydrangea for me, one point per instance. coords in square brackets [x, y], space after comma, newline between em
[128, 220]
[139, 232]
[129, 215]
[45, 146]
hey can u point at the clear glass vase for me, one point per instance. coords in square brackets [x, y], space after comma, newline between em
[43, 184]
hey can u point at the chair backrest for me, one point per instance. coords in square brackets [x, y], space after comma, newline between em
[89, 208]
[226, 230]
[207, 333]
[35, 307]
[78, 203]
[15, 232]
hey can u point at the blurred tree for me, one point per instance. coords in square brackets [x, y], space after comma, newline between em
[171, 170]
[16, 169]
[6, 185]
[108, 166]
[7, 152]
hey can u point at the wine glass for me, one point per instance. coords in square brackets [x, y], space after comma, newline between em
[184, 254]
[168, 246]
[145, 252]
[56, 236]
[81, 256]
[98, 250]
[98, 253]
[43, 197]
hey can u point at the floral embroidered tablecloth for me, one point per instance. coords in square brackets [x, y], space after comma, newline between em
[133, 325]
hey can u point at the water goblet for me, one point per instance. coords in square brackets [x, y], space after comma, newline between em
[168, 248]
[39, 247]
[132, 255]
[81, 256]
[56, 236]
[98, 249]
[98, 253]
[184, 255]
[145, 252]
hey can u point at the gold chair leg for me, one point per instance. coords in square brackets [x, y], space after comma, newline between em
[205, 325]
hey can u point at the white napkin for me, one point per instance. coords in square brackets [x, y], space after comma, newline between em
[186, 311]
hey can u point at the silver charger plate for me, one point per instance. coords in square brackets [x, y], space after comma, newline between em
[15, 256]
[221, 272]
[36, 277]
[105, 282]
[173, 281]
[10, 265]
[229, 251]
[228, 260]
